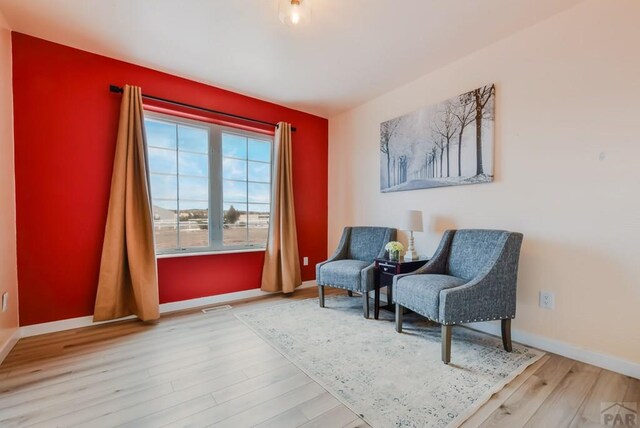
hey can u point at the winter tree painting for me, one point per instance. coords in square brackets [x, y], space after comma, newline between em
[446, 144]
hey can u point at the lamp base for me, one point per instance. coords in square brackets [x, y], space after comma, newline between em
[410, 256]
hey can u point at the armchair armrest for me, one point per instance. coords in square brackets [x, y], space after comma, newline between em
[492, 294]
[367, 274]
[367, 277]
[339, 254]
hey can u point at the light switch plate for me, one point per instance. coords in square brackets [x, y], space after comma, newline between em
[305, 261]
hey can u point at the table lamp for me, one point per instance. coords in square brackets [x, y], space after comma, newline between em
[412, 222]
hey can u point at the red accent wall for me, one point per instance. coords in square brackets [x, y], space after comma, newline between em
[66, 122]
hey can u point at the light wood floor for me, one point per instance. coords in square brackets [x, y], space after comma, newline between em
[194, 369]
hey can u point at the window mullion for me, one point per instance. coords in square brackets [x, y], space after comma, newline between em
[179, 247]
[215, 187]
[247, 187]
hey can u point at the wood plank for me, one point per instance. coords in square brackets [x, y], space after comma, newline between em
[501, 396]
[118, 334]
[610, 387]
[264, 359]
[253, 384]
[131, 413]
[257, 369]
[240, 404]
[318, 405]
[562, 405]
[137, 371]
[357, 423]
[518, 408]
[172, 414]
[337, 417]
[633, 391]
[41, 409]
[73, 384]
[260, 413]
[81, 416]
[291, 418]
[126, 348]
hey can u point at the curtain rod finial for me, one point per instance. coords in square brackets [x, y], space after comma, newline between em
[116, 89]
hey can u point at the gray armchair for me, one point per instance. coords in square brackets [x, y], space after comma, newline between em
[471, 277]
[351, 267]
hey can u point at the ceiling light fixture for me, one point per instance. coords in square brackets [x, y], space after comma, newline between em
[294, 12]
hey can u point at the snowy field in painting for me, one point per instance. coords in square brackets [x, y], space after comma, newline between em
[447, 144]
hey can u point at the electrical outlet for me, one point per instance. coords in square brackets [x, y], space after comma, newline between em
[305, 261]
[5, 301]
[547, 300]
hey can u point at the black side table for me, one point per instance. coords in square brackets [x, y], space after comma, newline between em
[384, 273]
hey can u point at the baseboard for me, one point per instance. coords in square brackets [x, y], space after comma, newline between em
[8, 345]
[609, 362]
[69, 324]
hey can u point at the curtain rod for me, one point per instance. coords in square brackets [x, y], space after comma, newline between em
[118, 90]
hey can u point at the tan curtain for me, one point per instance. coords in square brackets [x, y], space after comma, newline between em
[281, 270]
[128, 282]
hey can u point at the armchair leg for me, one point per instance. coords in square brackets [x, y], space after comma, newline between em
[398, 318]
[350, 293]
[506, 335]
[446, 343]
[321, 295]
[365, 303]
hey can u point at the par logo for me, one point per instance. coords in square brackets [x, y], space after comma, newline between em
[619, 414]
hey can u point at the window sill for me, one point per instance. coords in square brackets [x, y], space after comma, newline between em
[207, 253]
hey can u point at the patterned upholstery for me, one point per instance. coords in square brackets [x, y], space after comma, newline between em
[358, 248]
[485, 262]
[343, 272]
[365, 243]
[421, 293]
[470, 251]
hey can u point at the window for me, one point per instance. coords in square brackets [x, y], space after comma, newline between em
[210, 185]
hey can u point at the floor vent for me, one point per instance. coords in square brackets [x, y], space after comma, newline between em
[216, 309]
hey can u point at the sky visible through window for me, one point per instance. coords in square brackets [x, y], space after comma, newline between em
[179, 162]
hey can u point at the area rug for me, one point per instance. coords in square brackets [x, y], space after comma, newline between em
[390, 379]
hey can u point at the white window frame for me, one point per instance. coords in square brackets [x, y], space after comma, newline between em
[215, 205]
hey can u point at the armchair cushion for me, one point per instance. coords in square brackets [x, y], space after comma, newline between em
[421, 293]
[344, 274]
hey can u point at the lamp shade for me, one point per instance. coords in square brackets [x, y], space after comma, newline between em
[412, 220]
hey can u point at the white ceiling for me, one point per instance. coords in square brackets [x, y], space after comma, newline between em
[353, 50]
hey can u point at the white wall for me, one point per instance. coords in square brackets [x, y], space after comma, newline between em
[567, 168]
[8, 274]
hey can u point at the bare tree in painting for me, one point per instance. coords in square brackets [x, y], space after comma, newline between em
[481, 97]
[446, 127]
[403, 169]
[387, 129]
[464, 114]
[427, 164]
[434, 161]
[393, 168]
[439, 144]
